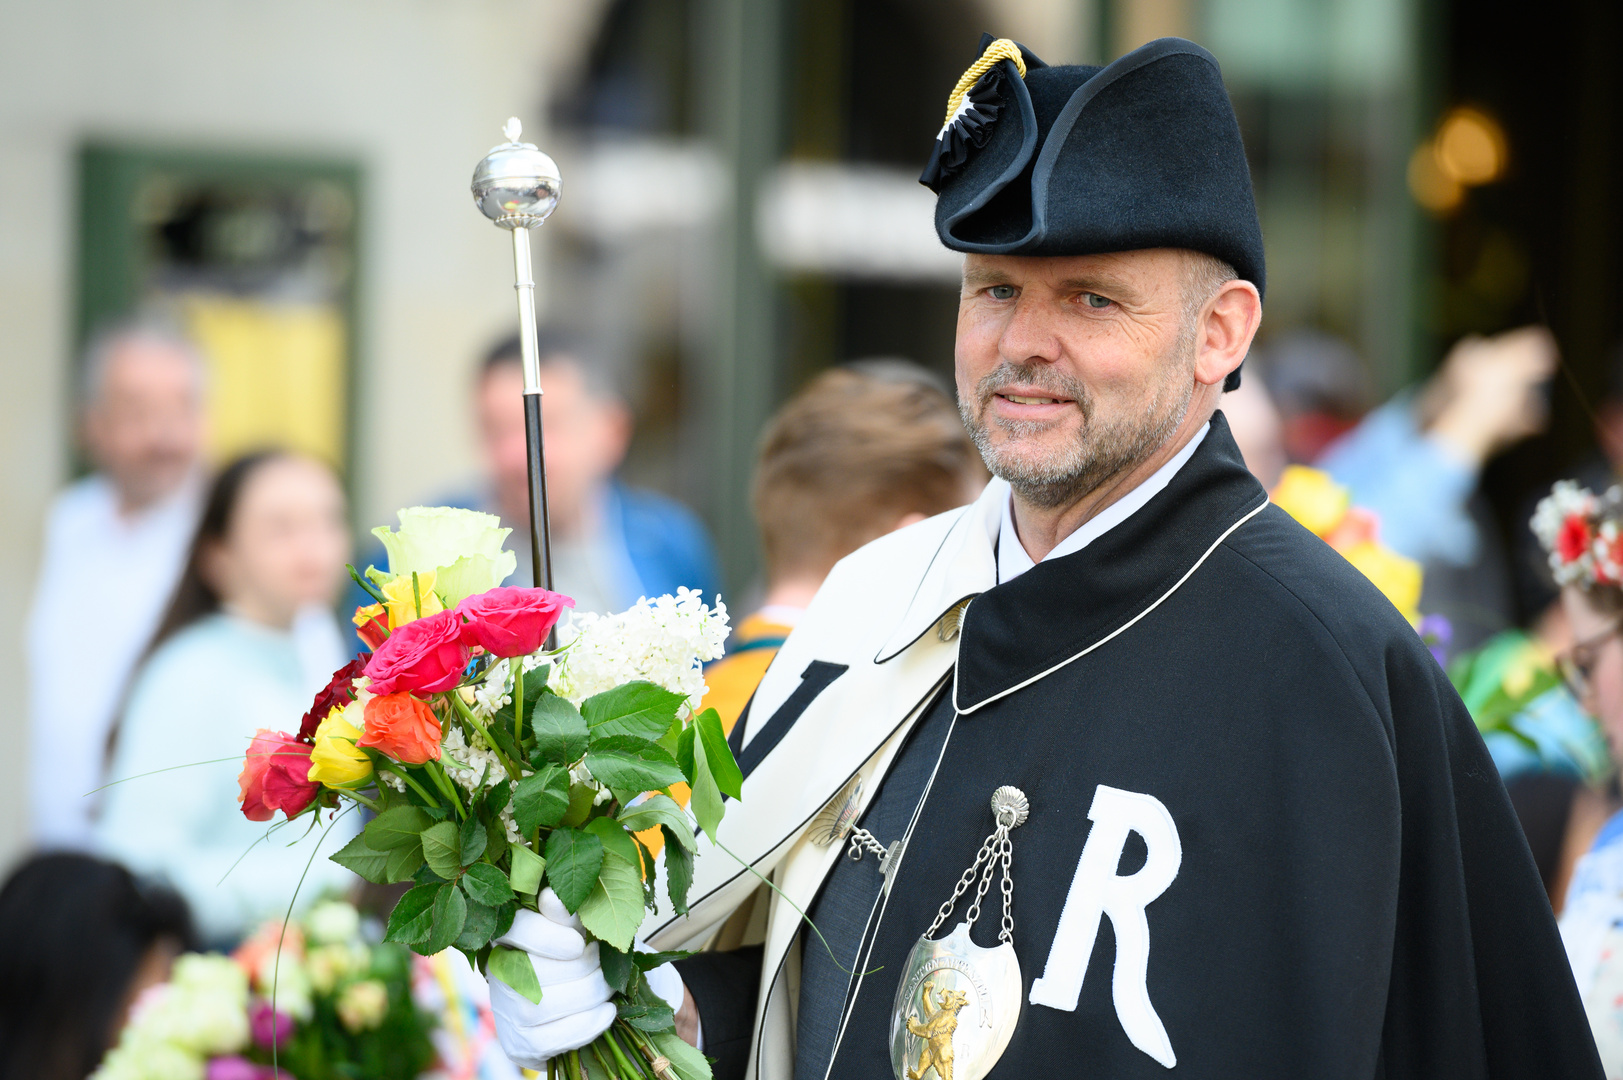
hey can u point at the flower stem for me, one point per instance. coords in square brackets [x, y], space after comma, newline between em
[409, 779]
[363, 800]
[467, 714]
[627, 1062]
[518, 703]
[443, 782]
[598, 1054]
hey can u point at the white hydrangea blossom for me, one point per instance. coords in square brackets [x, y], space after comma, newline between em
[467, 764]
[664, 641]
[494, 692]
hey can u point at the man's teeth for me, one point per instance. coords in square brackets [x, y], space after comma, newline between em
[1018, 400]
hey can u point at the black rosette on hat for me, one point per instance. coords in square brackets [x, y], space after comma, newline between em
[973, 107]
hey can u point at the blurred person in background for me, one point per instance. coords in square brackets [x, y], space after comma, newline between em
[1416, 461]
[862, 451]
[113, 547]
[1569, 525]
[79, 940]
[610, 543]
[247, 640]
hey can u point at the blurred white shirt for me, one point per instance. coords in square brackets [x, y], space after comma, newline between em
[103, 585]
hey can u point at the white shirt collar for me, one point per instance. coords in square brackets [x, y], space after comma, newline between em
[1012, 560]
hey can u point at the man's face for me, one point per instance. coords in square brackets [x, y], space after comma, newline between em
[1073, 370]
[585, 439]
[145, 428]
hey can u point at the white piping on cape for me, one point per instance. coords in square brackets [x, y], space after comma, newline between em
[1123, 628]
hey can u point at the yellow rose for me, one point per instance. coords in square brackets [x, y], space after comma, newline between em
[403, 600]
[1397, 577]
[336, 761]
[1311, 497]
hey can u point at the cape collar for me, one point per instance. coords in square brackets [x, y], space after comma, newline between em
[1061, 609]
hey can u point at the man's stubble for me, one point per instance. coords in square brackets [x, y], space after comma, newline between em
[1100, 452]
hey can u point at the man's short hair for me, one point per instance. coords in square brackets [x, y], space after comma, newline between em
[848, 456]
[556, 347]
[108, 339]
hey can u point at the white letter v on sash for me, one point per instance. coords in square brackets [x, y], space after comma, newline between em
[1097, 890]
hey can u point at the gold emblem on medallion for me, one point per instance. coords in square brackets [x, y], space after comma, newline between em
[936, 1030]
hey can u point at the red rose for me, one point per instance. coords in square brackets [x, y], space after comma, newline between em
[511, 621]
[275, 776]
[402, 727]
[338, 691]
[1574, 538]
[426, 654]
[371, 625]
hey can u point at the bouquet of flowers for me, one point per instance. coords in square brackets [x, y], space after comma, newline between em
[494, 767]
[343, 1010]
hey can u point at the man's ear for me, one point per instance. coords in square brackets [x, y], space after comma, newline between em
[1227, 323]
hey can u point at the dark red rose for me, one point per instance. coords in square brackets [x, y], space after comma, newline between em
[426, 655]
[338, 691]
[511, 621]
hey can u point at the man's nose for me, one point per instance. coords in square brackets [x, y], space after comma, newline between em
[1029, 336]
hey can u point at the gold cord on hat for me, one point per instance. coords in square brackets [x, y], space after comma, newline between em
[999, 50]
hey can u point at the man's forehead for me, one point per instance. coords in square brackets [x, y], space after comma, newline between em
[1142, 268]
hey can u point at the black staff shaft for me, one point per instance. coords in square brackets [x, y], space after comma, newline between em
[540, 530]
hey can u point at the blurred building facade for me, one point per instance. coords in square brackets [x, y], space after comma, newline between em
[740, 207]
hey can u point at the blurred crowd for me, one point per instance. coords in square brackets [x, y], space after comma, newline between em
[202, 585]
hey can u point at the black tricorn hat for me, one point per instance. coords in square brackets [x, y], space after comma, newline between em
[1144, 152]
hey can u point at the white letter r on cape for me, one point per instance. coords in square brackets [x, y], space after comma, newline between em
[1096, 891]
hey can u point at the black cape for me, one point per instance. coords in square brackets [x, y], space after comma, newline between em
[1354, 899]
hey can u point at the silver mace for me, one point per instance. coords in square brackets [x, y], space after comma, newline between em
[517, 186]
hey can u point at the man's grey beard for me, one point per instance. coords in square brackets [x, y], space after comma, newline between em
[1098, 454]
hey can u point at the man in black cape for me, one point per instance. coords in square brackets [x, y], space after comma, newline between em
[1138, 777]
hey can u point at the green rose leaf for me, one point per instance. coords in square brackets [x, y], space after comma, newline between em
[477, 928]
[450, 912]
[560, 732]
[617, 966]
[624, 761]
[641, 709]
[497, 798]
[495, 840]
[574, 859]
[616, 841]
[513, 967]
[525, 875]
[504, 918]
[706, 802]
[684, 752]
[686, 1062]
[613, 909]
[472, 839]
[487, 885]
[542, 799]
[404, 862]
[648, 961]
[358, 857]
[413, 916]
[442, 850]
[718, 755]
[397, 828]
[657, 810]
[647, 1017]
[678, 869]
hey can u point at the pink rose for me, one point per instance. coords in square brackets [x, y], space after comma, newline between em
[275, 776]
[511, 621]
[426, 655]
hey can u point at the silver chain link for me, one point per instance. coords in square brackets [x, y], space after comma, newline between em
[862, 839]
[997, 849]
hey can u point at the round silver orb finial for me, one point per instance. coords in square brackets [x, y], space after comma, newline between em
[1010, 807]
[516, 185]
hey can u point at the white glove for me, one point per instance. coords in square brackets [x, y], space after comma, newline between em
[575, 1006]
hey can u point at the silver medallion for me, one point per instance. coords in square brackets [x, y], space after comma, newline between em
[957, 1004]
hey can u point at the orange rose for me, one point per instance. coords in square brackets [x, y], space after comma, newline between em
[402, 727]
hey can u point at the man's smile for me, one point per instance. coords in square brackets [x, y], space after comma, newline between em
[1029, 403]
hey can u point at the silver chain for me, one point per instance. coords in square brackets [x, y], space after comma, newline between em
[862, 839]
[997, 849]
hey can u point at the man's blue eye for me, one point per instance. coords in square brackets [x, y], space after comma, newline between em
[1094, 300]
[1002, 292]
